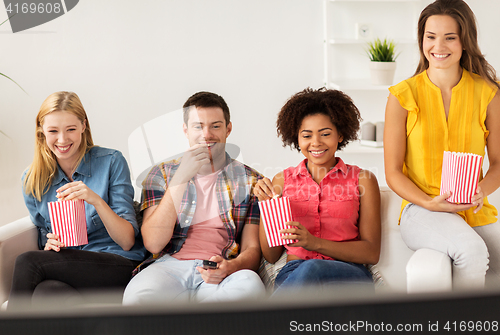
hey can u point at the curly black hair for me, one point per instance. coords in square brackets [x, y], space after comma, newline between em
[335, 104]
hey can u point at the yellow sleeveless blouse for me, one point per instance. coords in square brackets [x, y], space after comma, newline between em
[429, 134]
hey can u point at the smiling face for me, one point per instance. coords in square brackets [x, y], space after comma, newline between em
[207, 126]
[441, 43]
[318, 141]
[63, 135]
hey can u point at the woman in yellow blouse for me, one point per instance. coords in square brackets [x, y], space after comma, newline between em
[450, 104]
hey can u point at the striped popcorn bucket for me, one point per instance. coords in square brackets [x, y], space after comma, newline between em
[460, 175]
[275, 213]
[69, 222]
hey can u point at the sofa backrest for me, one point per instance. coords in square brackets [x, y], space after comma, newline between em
[394, 253]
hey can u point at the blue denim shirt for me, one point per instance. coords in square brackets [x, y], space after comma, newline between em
[104, 171]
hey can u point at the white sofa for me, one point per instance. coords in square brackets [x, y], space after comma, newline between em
[428, 270]
[146, 149]
[15, 238]
[402, 269]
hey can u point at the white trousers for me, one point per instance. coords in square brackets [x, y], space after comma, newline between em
[473, 250]
[169, 279]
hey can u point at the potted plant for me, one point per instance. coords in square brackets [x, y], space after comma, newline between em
[383, 61]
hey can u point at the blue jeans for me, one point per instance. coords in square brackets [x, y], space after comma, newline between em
[320, 271]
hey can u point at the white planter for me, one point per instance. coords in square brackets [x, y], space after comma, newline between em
[382, 73]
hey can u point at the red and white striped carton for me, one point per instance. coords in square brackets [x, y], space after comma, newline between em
[460, 175]
[69, 221]
[275, 213]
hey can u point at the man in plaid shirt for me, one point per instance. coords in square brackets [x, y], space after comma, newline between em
[200, 207]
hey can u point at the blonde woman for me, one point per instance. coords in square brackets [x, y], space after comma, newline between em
[67, 166]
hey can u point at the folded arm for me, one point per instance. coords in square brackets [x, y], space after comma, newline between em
[159, 220]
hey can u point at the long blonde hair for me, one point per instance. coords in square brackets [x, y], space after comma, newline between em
[472, 59]
[44, 166]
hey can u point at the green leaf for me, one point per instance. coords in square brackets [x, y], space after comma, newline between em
[7, 19]
[1, 74]
[382, 51]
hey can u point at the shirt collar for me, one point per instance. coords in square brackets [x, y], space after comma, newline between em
[340, 166]
[228, 162]
[82, 169]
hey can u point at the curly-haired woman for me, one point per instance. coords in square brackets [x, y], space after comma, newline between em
[335, 206]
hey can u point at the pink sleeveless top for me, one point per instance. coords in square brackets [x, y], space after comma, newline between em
[329, 210]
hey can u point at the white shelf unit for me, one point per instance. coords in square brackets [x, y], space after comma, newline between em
[372, 0]
[362, 41]
[357, 148]
[346, 64]
[367, 158]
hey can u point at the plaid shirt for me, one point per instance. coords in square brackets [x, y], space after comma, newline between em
[237, 204]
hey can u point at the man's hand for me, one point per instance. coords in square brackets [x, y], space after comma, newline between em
[192, 160]
[215, 276]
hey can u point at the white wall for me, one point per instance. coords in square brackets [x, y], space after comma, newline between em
[131, 61]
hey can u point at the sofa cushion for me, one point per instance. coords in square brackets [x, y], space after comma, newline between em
[269, 271]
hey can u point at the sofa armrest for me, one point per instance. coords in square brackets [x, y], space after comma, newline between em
[15, 238]
[429, 271]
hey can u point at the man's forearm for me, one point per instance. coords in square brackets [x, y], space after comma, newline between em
[159, 222]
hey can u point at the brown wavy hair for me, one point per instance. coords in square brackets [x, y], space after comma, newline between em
[472, 59]
[335, 104]
[206, 99]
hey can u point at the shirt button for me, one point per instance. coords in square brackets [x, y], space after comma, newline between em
[187, 221]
